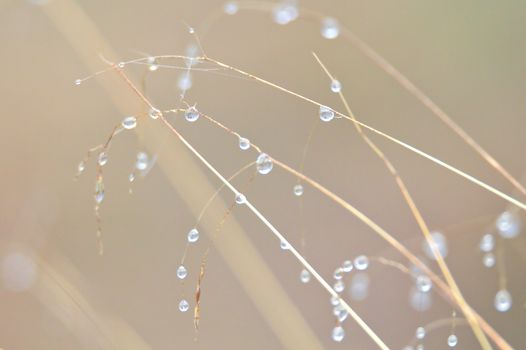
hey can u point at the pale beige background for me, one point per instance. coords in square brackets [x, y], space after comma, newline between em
[468, 55]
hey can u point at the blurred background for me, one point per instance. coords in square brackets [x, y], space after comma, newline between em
[57, 292]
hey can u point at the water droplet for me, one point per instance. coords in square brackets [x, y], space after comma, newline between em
[284, 245]
[347, 266]
[81, 167]
[330, 29]
[244, 143]
[339, 286]
[142, 161]
[183, 305]
[153, 66]
[185, 81]
[154, 113]
[304, 276]
[181, 272]
[420, 333]
[487, 243]
[193, 235]
[338, 273]
[99, 190]
[78, 81]
[191, 114]
[359, 289]
[423, 283]
[131, 177]
[338, 333]
[231, 8]
[121, 64]
[452, 341]
[335, 300]
[191, 30]
[508, 224]
[129, 123]
[298, 190]
[264, 164]
[103, 158]
[340, 312]
[285, 12]
[336, 86]
[361, 262]
[240, 198]
[326, 114]
[503, 300]
[488, 260]
[441, 243]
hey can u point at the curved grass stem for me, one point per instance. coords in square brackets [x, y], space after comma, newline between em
[369, 222]
[461, 302]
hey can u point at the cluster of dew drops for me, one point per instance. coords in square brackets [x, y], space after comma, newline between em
[264, 166]
[508, 224]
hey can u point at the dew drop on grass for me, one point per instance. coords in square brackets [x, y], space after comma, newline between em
[154, 113]
[129, 123]
[191, 114]
[231, 7]
[340, 312]
[330, 29]
[347, 266]
[152, 64]
[298, 190]
[99, 190]
[142, 161]
[339, 286]
[361, 262]
[326, 114]
[336, 86]
[285, 12]
[338, 334]
[338, 273]
[193, 235]
[508, 224]
[183, 305]
[420, 333]
[423, 283]
[452, 341]
[284, 245]
[487, 243]
[244, 143]
[488, 260]
[103, 158]
[78, 81]
[81, 167]
[503, 300]
[440, 242]
[304, 276]
[264, 164]
[181, 272]
[240, 198]
[335, 301]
